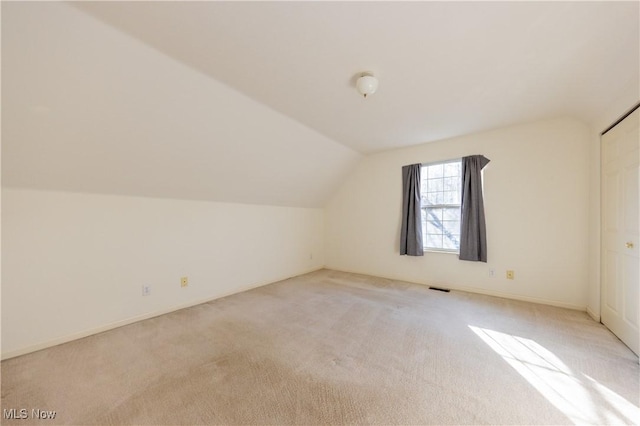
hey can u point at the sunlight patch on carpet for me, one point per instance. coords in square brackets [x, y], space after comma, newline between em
[581, 398]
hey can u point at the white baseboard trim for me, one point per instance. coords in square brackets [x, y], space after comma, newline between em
[540, 301]
[596, 317]
[142, 317]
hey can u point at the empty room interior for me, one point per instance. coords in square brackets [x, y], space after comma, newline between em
[320, 212]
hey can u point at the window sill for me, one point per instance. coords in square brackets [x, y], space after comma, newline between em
[432, 250]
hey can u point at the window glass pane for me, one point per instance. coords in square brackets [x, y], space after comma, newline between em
[452, 227]
[451, 243]
[434, 227]
[441, 185]
[451, 183]
[435, 171]
[434, 240]
[452, 169]
[433, 197]
[434, 214]
[451, 214]
[434, 185]
[450, 197]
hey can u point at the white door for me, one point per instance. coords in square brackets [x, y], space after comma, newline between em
[620, 298]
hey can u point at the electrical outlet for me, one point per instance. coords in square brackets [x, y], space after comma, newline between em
[492, 272]
[146, 290]
[510, 275]
[184, 281]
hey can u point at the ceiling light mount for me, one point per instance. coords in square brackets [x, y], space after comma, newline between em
[367, 84]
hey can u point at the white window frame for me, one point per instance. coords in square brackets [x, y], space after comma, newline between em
[423, 208]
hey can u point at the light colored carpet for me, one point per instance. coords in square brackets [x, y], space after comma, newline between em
[337, 348]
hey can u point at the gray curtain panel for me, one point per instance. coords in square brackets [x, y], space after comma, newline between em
[473, 232]
[411, 232]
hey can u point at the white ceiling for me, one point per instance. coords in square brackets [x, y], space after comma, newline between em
[445, 68]
[256, 102]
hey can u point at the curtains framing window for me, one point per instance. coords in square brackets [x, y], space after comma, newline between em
[411, 232]
[473, 232]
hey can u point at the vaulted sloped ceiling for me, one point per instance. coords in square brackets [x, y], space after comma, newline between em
[88, 108]
[255, 101]
[446, 68]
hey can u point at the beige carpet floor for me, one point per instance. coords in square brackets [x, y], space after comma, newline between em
[337, 348]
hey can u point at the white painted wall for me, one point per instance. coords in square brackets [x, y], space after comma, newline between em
[74, 264]
[88, 109]
[537, 209]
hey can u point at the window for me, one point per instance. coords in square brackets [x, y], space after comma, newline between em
[441, 189]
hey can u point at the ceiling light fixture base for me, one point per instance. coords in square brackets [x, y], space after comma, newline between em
[367, 84]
